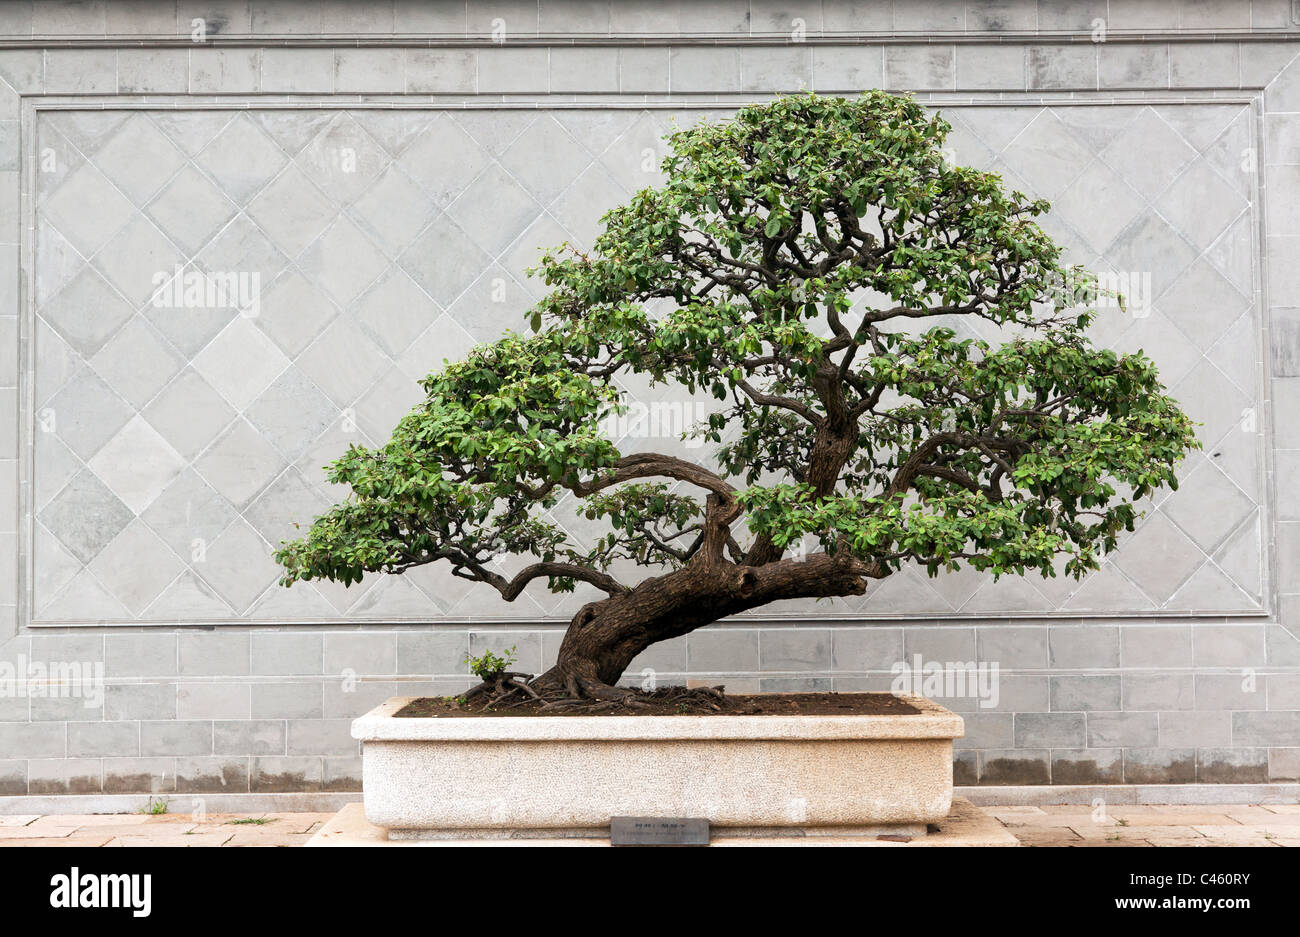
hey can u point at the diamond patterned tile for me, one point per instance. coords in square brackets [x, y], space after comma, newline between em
[493, 303]
[292, 413]
[1214, 401]
[1108, 590]
[443, 260]
[135, 566]
[545, 135]
[384, 405]
[294, 312]
[54, 565]
[580, 207]
[343, 598]
[56, 465]
[189, 413]
[85, 516]
[292, 211]
[85, 599]
[190, 327]
[191, 131]
[1203, 303]
[493, 209]
[492, 132]
[442, 160]
[188, 598]
[86, 312]
[332, 445]
[595, 130]
[137, 464]
[1200, 125]
[526, 253]
[189, 514]
[1235, 354]
[343, 261]
[343, 362]
[292, 130]
[1096, 125]
[138, 261]
[1148, 153]
[240, 363]
[343, 159]
[241, 159]
[58, 159]
[395, 312]
[190, 210]
[139, 158]
[1208, 506]
[238, 566]
[86, 413]
[394, 598]
[1047, 155]
[88, 130]
[240, 464]
[1201, 204]
[1099, 204]
[1010, 594]
[60, 261]
[286, 509]
[393, 129]
[1241, 554]
[1151, 245]
[300, 602]
[137, 362]
[444, 340]
[88, 231]
[394, 210]
[634, 158]
[1154, 334]
[242, 248]
[1209, 588]
[1160, 556]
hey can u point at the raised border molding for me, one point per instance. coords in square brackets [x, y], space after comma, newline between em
[34, 103]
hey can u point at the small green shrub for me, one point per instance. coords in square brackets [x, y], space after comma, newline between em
[488, 667]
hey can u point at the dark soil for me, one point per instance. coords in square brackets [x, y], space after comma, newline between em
[675, 701]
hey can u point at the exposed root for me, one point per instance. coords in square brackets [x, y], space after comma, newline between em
[565, 703]
[572, 692]
[502, 687]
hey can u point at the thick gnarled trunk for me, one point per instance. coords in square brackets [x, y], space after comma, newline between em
[605, 636]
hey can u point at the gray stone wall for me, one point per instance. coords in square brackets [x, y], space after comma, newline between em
[374, 179]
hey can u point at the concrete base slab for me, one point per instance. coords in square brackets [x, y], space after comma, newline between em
[965, 825]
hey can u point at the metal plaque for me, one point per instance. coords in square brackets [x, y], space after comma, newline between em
[658, 831]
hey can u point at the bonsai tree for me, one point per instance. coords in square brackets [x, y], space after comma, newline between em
[816, 257]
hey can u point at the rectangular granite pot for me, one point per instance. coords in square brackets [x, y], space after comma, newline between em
[568, 775]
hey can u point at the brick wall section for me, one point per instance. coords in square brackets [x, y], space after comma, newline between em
[1146, 698]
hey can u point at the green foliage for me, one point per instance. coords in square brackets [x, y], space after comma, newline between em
[816, 266]
[489, 666]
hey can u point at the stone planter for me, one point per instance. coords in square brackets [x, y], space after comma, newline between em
[568, 775]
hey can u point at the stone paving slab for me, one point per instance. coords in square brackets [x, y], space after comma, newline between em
[115, 829]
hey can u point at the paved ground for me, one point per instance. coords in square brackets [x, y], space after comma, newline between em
[138, 829]
[1147, 825]
[1153, 825]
